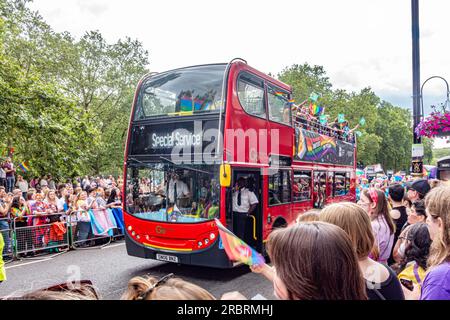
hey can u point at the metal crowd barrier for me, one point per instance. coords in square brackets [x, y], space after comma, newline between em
[40, 234]
[36, 235]
[82, 235]
[8, 236]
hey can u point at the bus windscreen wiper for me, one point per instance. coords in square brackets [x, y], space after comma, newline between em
[138, 161]
[182, 167]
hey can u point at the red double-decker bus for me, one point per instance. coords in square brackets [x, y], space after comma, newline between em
[194, 132]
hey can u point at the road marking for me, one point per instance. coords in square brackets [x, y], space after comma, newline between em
[113, 246]
[27, 263]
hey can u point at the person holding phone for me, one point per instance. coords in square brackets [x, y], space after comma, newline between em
[114, 199]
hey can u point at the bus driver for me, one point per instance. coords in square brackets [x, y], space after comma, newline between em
[178, 188]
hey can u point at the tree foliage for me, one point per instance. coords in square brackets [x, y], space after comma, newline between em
[65, 102]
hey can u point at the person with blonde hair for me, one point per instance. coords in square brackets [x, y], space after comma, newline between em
[436, 285]
[309, 216]
[381, 281]
[166, 288]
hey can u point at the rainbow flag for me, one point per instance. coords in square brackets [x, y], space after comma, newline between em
[173, 213]
[186, 103]
[315, 110]
[24, 166]
[238, 250]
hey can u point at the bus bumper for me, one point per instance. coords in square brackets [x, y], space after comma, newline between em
[210, 257]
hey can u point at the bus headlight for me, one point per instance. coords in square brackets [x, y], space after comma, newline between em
[212, 236]
[133, 233]
[130, 228]
[206, 241]
[199, 243]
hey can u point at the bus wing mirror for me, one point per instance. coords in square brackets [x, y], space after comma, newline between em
[225, 175]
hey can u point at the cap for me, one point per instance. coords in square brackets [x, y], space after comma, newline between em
[421, 186]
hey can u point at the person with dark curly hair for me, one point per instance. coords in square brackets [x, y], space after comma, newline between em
[413, 266]
[417, 214]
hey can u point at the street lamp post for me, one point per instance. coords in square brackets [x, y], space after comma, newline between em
[447, 102]
[416, 65]
[417, 162]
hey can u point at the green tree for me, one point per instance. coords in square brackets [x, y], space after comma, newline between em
[306, 79]
[97, 78]
[394, 127]
[427, 150]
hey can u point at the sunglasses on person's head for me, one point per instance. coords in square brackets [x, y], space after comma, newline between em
[161, 281]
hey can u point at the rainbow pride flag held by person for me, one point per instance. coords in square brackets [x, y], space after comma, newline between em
[238, 250]
[173, 213]
[24, 166]
[186, 103]
[315, 110]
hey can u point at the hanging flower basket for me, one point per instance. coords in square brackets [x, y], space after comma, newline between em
[437, 124]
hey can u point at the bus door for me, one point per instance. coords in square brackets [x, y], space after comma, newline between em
[253, 224]
[320, 188]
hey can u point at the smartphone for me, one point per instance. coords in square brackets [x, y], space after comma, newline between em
[408, 284]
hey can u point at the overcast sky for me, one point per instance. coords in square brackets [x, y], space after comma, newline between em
[360, 43]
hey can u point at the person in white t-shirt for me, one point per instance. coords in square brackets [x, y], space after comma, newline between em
[244, 203]
[22, 184]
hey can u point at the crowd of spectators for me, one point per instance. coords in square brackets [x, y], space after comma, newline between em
[340, 130]
[392, 247]
[45, 202]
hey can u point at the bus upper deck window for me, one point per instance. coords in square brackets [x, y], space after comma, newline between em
[279, 107]
[251, 95]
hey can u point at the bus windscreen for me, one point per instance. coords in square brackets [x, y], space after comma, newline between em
[185, 91]
[170, 193]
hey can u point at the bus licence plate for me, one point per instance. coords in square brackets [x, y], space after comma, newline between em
[164, 257]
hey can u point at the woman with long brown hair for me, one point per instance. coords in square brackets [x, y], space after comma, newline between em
[376, 206]
[381, 281]
[313, 261]
[436, 285]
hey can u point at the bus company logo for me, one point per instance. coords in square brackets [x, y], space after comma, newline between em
[160, 230]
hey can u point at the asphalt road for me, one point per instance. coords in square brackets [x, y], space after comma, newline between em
[110, 268]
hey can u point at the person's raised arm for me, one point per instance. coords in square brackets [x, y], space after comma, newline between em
[264, 269]
[401, 239]
[357, 126]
